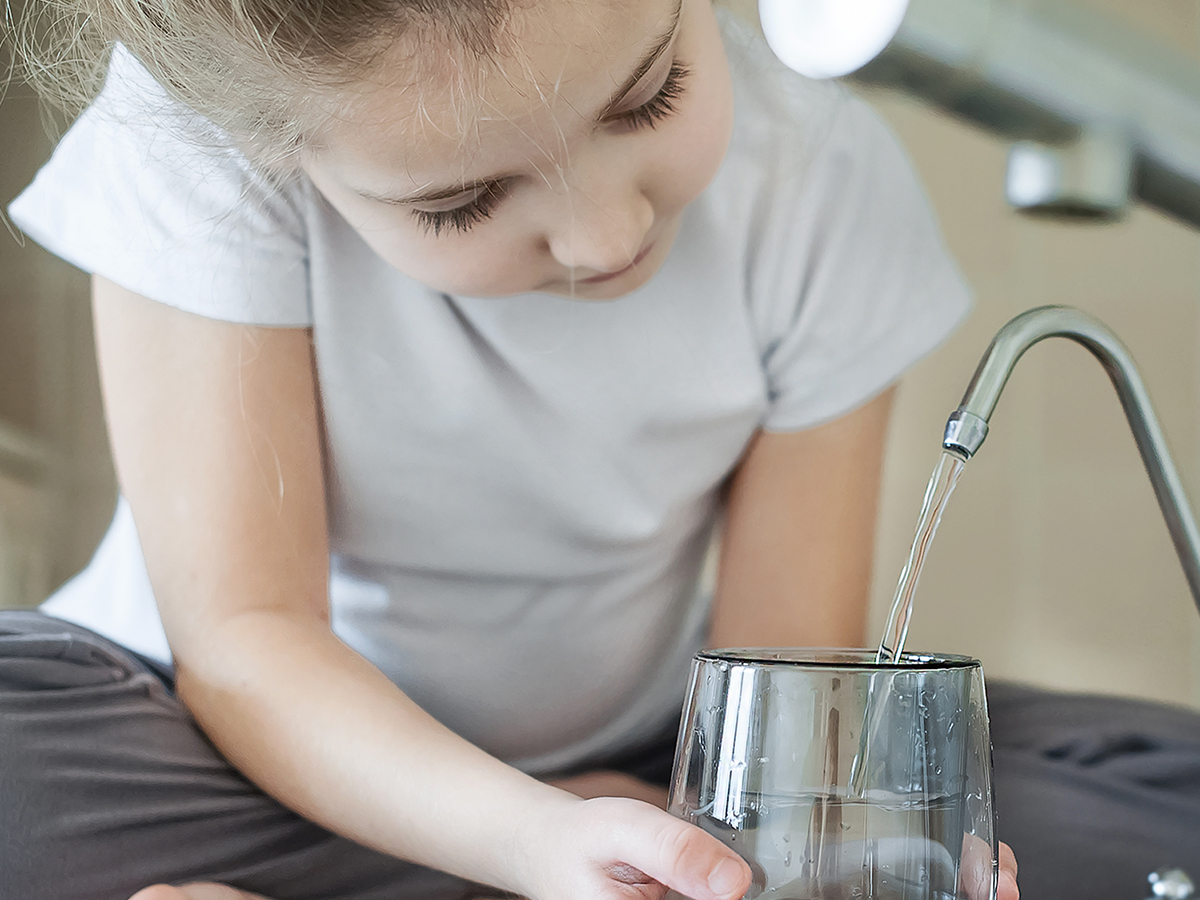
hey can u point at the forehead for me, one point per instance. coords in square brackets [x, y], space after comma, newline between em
[431, 104]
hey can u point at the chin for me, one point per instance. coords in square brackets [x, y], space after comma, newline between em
[487, 290]
[599, 293]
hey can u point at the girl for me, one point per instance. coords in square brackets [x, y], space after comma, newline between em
[435, 338]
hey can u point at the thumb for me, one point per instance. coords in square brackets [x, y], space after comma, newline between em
[687, 860]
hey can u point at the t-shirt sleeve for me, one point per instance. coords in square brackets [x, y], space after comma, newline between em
[860, 285]
[190, 223]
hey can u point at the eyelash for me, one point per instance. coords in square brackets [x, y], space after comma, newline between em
[648, 115]
[463, 218]
[662, 104]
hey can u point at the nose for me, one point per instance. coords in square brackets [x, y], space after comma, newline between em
[602, 233]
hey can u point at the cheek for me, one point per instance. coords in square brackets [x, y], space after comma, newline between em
[700, 137]
[704, 145]
[487, 261]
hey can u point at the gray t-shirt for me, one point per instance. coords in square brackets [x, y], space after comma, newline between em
[522, 490]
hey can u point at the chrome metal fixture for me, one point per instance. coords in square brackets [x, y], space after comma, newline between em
[968, 425]
[1098, 114]
[1170, 884]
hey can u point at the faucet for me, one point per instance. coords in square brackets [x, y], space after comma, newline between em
[968, 425]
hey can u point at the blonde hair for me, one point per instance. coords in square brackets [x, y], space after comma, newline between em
[262, 71]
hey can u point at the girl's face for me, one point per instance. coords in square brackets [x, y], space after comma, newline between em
[562, 166]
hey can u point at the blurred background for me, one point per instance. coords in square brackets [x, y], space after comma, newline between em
[57, 488]
[1052, 565]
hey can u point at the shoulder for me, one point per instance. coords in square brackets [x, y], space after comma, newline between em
[138, 121]
[793, 133]
[808, 161]
[844, 272]
[770, 100]
[152, 197]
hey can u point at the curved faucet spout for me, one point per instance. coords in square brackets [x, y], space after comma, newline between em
[968, 425]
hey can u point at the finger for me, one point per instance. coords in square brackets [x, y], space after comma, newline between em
[1006, 886]
[209, 891]
[687, 860]
[1008, 861]
[627, 874]
[159, 892]
[196, 891]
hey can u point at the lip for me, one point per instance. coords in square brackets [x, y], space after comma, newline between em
[608, 276]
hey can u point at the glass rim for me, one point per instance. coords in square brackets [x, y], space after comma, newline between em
[855, 659]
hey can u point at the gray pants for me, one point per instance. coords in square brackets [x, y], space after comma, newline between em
[1094, 793]
[106, 786]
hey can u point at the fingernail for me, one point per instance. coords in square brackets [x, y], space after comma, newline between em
[724, 877]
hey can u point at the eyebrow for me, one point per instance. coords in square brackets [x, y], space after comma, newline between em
[647, 63]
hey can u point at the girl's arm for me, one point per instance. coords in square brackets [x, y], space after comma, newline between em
[216, 437]
[799, 535]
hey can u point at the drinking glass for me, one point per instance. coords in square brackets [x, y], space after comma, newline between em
[837, 778]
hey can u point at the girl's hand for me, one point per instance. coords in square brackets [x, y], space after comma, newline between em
[619, 849]
[606, 783]
[1006, 888]
[194, 892]
[621, 879]
[976, 871]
